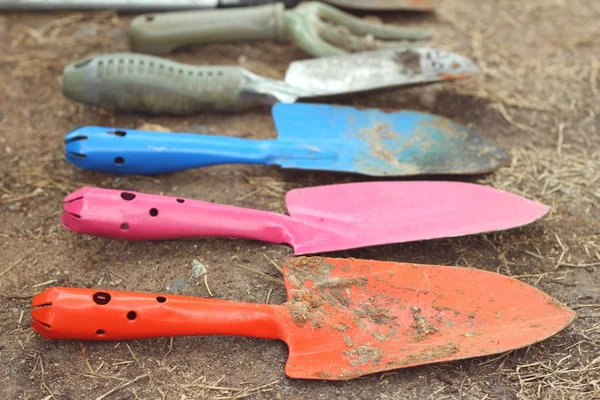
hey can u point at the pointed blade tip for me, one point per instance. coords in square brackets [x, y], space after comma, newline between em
[541, 210]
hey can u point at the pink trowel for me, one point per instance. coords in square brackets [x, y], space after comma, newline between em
[322, 218]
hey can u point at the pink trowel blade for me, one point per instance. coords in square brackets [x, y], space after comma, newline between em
[397, 212]
[322, 218]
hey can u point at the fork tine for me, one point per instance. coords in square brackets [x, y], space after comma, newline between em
[361, 27]
[304, 31]
[342, 37]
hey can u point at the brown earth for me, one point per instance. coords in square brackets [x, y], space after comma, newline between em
[539, 99]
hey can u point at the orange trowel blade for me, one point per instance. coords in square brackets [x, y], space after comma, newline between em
[354, 317]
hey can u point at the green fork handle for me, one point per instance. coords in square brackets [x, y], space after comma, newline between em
[161, 33]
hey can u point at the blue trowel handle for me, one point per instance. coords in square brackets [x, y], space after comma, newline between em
[128, 151]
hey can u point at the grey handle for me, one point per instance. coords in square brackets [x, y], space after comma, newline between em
[163, 32]
[141, 83]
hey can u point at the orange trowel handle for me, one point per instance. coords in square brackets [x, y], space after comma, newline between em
[88, 314]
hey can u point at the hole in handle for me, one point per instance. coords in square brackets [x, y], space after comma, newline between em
[161, 299]
[131, 315]
[118, 133]
[127, 196]
[124, 226]
[100, 332]
[119, 160]
[101, 298]
[153, 212]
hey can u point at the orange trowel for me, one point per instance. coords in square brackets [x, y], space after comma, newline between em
[343, 318]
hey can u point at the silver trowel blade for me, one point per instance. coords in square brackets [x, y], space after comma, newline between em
[378, 69]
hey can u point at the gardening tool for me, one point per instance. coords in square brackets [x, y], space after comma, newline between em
[137, 82]
[319, 137]
[322, 218]
[153, 5]
[343, 318]
[318, 29]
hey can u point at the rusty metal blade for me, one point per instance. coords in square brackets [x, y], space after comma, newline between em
[354, 317]
[378, 69]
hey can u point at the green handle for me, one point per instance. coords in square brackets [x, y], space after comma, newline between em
[142, 83]
[163, 32]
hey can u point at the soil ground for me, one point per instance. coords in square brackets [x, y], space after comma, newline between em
[538, 98]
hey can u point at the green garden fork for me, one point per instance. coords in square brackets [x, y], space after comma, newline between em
[319, 29]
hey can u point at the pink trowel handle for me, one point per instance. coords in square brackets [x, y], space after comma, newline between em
[139, 216]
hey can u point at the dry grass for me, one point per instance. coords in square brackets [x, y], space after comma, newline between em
[559, 179]
[77, 33]
[573, 371]
[533, 58]
[155, 372]
[200, 388]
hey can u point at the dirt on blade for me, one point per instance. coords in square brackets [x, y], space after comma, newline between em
[539, 98]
